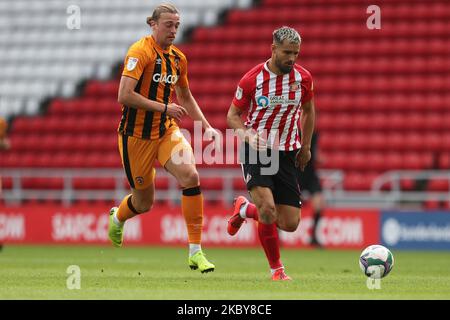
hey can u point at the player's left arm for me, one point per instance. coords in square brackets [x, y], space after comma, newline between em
[4, 141]
[187, 100]
[307, 121]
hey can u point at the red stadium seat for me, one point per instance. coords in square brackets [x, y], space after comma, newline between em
[444, 161]
[391, 161]
[161, 183]
[239, 184]
[417, 161]
[376, 161]
[6, 183]
[438, 185]
[432, 204]
[358, 180]
[93, 183]
[407, 184]
[445, 142]
[211, 183]
[43, 183]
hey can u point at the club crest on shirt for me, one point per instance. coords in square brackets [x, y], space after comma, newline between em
[295, 86]
[177, 62]
[132, 63]
[140, 180]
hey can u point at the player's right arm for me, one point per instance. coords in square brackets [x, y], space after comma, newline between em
[240, 103]
[4, 144]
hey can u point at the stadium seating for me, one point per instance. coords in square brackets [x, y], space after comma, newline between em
[383, 96]
[44, 54]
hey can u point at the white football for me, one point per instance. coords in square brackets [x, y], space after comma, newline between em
[376, 261]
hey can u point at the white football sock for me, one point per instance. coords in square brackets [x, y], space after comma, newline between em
[243, 210]
[194, 248]
[116, 221]
[272, 271]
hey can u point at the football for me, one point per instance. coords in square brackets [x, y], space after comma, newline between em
[376, 261]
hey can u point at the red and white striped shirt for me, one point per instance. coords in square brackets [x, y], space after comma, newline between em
[273, 103]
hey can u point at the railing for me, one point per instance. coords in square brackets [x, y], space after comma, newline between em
[386, 191]
[68, 193]
[396, 195]
[332, 183]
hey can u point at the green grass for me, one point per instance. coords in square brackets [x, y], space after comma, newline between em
[39, 272]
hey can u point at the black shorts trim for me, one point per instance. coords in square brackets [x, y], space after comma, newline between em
[126, 160]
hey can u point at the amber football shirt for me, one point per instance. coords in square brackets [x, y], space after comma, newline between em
[157, 72]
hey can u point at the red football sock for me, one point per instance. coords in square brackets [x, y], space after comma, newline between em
[252, 212]
[268, 235]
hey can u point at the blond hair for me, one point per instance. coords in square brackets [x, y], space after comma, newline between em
[162, 8]
[286, 33]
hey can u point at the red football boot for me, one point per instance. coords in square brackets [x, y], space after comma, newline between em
[235, 222]
[280, 275]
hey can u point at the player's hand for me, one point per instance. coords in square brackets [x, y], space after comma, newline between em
[302, 158]
[257, 142]
[4, 144]
[213, 134]
[176, 111]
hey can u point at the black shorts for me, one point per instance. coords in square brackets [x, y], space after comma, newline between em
[280, 175]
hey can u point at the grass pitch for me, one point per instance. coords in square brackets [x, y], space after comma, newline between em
[40, 272]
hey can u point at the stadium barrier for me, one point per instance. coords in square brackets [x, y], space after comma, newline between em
[386, 192]
[228, 183]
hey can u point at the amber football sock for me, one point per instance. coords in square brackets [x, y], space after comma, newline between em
[126, 210]
[192, 208]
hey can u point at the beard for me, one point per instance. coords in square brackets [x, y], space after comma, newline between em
[283, 68]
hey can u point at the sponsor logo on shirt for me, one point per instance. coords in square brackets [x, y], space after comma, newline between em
[262, 101]
[166, 78]
[274, 100]
[294, 86]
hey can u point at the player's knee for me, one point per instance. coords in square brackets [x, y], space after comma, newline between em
[267, 213]
[189, 179]
[143, 206]
[288, 224]
[291, 226]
